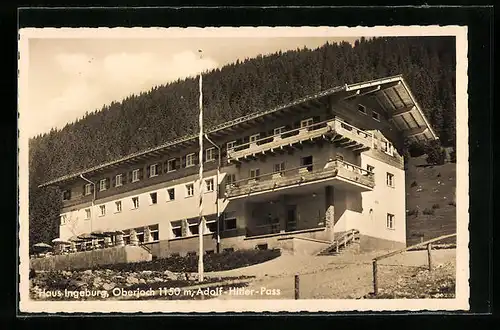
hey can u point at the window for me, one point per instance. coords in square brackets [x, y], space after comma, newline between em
[153, 197]
[230, 145]
[171, 165]
[102, 185]
[390, 221]
[118, 206]
[209, 184]
[306, 122]
[153, 170]
[153, 230]
[388, 148]
[390, 179]
[255, 173]
[375, 115]
[171, 194]
[307, 162]
[211, 223]
[279, 168]
[64, 219]
[193, 225]
[88, 214]
[88, 189]
[229, 221]
[209, 155]
[176, 228]
[189, 190]
[362, 108]
[279, 130]
[254, 138]
[66, 195]
[231, 178]
[370, 168]
[135, 203]
[118, 180]
[102, 209]
[135, 175]
[190, 160]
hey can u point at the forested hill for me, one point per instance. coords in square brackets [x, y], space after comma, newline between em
[169, 111]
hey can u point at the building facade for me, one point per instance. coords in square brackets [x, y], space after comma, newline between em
[310, 170]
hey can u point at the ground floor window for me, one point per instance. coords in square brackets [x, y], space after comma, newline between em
[229, 220]
[390, 221]
[154, 232]
[211, 223]
[176, 228]
[193, 225]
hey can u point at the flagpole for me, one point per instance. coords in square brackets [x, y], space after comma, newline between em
[200, 159]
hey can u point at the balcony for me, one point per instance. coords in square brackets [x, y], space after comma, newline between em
[335, 130]
[338, 173]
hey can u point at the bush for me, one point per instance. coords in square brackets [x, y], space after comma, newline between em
[436, 155]
[413, 212]
[428, 212]
[211, 262]
[413, 184]
[435, 206]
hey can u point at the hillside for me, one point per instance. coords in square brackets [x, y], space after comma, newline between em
[169, 111]
[428, 186]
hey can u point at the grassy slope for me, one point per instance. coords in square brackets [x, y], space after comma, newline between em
[430, 190]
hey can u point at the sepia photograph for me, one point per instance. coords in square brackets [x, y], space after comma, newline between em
[243, 169]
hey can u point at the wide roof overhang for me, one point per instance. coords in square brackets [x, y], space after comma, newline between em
[391, 93]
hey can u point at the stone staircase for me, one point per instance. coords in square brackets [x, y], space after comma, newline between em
[345, 241]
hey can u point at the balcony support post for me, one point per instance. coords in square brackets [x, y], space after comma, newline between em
[329, 212]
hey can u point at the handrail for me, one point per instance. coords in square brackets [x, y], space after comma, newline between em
[280, 134]
[322, 164]
[413, 246]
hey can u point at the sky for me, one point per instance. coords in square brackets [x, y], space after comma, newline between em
[70, 76]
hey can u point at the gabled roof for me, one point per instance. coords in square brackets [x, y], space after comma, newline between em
[392, 93]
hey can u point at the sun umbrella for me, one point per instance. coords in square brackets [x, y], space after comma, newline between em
[74, 239]
[60, 241]
[42, 246]
[98, 233]
[86, 236]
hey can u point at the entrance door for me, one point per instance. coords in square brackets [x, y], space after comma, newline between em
[291, 218]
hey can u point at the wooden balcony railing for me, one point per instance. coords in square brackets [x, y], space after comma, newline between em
[333, 126]
[302, 174]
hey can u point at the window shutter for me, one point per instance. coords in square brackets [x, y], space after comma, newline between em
[165, 166]
[108, 183]
[83, 190]
[196, 159]
[316, 119]
[92, 187]
[129, 176]
[288, 127]
[246, 139]
[183, 161]
[204, 155]
[141, 172]
[296, 124]
[158, 168]
[148, 171]
[113, 181]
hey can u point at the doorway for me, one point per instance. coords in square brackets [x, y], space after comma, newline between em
[291, 218]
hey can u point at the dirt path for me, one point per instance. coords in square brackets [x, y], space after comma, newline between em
[341, 277]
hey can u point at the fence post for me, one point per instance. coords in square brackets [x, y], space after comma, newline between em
[375, 280]
[297, 287]
[429, 255]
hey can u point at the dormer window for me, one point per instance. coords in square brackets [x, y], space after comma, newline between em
[66, 195]
[153, 170]
[362, 108]
[376, 115]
